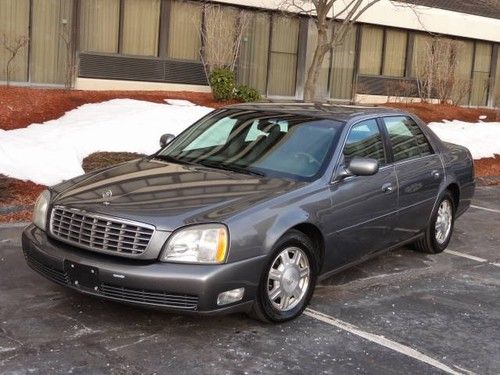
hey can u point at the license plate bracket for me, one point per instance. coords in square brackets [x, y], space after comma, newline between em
[82, 276]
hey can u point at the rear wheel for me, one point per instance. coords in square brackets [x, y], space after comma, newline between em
[438, 234]
[288, 281]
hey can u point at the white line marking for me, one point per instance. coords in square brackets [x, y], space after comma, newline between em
[463, 255]
[485, 209]
[381, 340]
[496, 264]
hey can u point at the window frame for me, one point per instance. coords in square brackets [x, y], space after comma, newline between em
[388, 143]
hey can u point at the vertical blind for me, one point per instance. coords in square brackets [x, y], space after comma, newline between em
[394, 53]
[14, 25]
[420, 52]
[51, 24]
[465, 52]
[99, 24]
[497, 82]
[141, 22]
[283, 56]
[480, 74]
[184, 38]
[342, 73]
[252, 70]
[370, 59]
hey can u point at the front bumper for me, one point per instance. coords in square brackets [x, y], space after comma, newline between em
[168, 286]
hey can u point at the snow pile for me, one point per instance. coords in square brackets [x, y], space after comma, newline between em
[482, 138]
[51, 152]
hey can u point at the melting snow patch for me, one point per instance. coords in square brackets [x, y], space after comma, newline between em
[482, 138]
[51, 152]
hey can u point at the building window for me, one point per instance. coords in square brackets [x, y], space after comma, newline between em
[461, 89]
[141, 22]
[51, 41]
[421, 47]
[99, 24]
[254, 51]
[342, 72]
[14, 26]
[394, 53]
[220, 35]
[283, 56]
[481, 74]
[370, 59]
[184, 36]
[496, 102]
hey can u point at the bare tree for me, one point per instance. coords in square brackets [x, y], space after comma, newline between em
[222, 37]
[437, 75]
[13, 47]
[332, 25]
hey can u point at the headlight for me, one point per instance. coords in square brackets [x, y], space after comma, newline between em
[40, 211]
[206, 243]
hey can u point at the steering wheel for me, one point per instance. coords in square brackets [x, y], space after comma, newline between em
[310, 159]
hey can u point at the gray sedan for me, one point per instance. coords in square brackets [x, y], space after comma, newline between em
[249, 207]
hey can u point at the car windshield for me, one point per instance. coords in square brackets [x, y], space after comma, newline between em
[255, 142]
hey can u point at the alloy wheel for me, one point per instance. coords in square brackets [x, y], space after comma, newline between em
[288, 279]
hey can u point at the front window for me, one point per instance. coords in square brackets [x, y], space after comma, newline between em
[265, 143]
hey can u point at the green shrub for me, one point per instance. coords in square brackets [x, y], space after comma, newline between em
[223, 84]
[247, 94]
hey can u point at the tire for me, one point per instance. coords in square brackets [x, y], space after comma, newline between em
[287, 275]
[434, 241]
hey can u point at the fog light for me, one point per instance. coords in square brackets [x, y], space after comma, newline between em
[230, 296]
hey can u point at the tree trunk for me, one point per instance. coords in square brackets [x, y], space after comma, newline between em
[322, 47]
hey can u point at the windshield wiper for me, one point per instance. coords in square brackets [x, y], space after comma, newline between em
[230, 167]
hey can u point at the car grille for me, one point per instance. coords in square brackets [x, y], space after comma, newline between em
[99, 233]
[177, 301]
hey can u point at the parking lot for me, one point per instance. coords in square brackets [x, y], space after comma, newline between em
[402, 312]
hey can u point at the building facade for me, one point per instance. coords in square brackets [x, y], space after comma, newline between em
[156, 44]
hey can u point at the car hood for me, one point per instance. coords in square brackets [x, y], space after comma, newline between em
[168, 195]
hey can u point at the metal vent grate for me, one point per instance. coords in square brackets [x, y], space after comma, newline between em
[178, 301]
[99, 233]
[134, 68]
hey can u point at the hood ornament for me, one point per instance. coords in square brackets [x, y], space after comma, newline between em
[106, 195]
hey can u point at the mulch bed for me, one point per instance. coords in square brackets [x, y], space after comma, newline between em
[439, 112]
[21, 106]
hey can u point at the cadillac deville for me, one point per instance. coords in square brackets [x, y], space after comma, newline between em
[250, 207]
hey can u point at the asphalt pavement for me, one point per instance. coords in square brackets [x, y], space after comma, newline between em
[402, 312]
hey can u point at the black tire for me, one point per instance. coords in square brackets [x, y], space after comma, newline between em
[263, 309]
[428, 243]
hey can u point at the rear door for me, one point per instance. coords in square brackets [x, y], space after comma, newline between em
[361, 218]
[419, 171]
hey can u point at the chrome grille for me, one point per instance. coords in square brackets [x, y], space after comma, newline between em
[99, 233]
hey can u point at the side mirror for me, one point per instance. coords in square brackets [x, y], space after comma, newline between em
[359, 166]
[165, 139]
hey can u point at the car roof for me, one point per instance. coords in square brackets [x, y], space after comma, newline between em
[337, 112]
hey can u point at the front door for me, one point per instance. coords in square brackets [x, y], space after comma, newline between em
[361, 218]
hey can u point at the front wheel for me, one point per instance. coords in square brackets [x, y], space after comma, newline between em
[288, 281]
[438, 233]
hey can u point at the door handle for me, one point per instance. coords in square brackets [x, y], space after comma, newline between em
[435, 174]
[387, 188]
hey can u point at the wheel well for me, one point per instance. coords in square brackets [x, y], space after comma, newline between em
[455, 192]
[312, 231]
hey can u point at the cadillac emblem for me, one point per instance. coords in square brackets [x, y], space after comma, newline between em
[106, 196]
